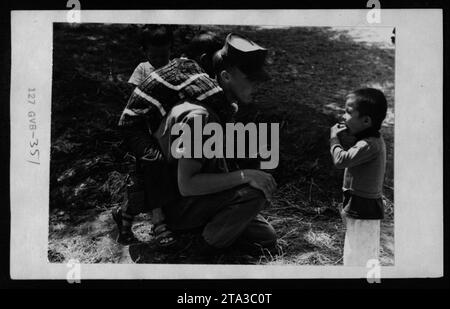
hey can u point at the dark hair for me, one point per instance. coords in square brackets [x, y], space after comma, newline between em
[371, 102]
[205, 42]
[157, 35]
[220, 64]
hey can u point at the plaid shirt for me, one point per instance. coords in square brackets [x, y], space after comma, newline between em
[181, 79]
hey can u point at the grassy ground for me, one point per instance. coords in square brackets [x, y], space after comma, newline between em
[312, 69]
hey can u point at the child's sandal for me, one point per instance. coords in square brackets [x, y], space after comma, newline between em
[163, 235]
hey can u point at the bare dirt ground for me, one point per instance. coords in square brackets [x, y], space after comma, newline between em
[312, 69]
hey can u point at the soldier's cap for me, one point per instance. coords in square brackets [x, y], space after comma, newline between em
[243, 53]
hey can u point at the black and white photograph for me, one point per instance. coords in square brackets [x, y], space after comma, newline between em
[241, 148]
[108, 199]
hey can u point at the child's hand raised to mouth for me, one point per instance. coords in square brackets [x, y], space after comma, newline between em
[336, 129]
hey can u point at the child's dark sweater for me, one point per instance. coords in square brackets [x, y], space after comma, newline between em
[364, 165]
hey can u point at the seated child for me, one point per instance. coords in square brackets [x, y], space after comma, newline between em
[364, 165]
[156, 43]
[148, 104]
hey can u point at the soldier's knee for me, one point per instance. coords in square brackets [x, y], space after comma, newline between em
[247, 193]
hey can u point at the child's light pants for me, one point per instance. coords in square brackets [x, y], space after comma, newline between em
[362, 241]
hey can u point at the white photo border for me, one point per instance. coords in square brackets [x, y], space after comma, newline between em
[418, 160]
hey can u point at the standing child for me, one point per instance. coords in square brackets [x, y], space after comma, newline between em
[364, 165]
[156, 44]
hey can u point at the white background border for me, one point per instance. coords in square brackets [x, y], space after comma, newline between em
[418, 142]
